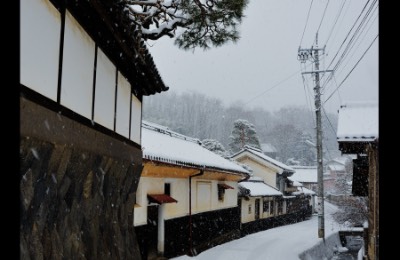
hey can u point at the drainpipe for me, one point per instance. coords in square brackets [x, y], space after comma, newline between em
[161, 231]
[190, 210]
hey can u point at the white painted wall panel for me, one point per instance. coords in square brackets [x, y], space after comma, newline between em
[136, 120]
[202, 197]
[230, 197]
[246, 216]
[104, 105]
[40, 27]
[78, 68]
[123, 106]
[267, 174]
[180, 192]
[146, 186]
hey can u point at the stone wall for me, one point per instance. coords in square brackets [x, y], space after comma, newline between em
[77, 189]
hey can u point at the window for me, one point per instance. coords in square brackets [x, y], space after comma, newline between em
[280, 207]
[249, 208]
[271, 208]
[266, 205]
[221, 193]
[167, 189]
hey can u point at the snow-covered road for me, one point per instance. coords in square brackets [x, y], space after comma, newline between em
[280, 243]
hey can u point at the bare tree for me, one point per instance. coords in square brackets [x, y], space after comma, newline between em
[203, 22]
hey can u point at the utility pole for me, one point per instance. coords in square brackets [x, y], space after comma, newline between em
[313, 54]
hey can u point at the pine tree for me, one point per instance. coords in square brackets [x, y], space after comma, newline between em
[243, 133]
[215, 146]
[201, 23]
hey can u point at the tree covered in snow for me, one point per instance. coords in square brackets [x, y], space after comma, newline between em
[243, 133]
[215, 146]
[353, 211]
[203, 22]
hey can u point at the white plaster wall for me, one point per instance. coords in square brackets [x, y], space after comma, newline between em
[123, 106]
[40, 26]
[201, 196]
[149, 185]
[104, 105]
[180, 192]
[230, 198]
[140, 211]
[136, 120]
[146, 186]
[267, 174]
[246, 216]
[78, 68]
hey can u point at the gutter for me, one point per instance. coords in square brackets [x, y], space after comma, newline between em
[190, 210]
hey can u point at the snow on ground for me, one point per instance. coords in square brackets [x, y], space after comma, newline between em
[280, 243]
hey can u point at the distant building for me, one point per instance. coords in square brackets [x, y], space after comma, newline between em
[306, 175]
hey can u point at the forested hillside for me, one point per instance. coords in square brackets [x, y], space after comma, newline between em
[291, 130]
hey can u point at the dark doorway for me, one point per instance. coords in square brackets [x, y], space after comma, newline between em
[152, 229]
[257, 209]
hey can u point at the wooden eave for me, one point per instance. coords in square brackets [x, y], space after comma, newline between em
[355, 147]
[157, 169]
[110, 27]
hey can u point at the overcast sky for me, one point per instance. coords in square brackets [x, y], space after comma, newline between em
[262, 68]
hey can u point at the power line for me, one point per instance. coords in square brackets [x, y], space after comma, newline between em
[352, 41]
[308, 16]
[350, 44]
[336, 19]
[323, 16]
[277, 84]
[341, 83]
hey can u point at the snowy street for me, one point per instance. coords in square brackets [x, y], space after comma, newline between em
[280, 243]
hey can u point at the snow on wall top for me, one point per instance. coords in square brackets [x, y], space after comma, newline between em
[259, 188]
[159, 143]
[260, 154]
[358, 122]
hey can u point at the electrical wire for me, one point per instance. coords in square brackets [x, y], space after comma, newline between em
[362, 39]
[323, 16]
[351, 43]
[348, 33]
[341, 83]
[308, 16]
[334, 24]
[274, 86]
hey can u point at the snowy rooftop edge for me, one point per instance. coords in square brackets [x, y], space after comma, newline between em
[159, 143]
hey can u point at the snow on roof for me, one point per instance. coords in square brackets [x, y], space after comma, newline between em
[306, 191]
[294, 182]
[259, 153]
[337, 167]
[305, 174]
[342, 159]
[358, 122]
[259, 188]
[161, 144]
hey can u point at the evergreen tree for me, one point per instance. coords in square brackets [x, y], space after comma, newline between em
[243, 133]
[201, 23]
[215, 146]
